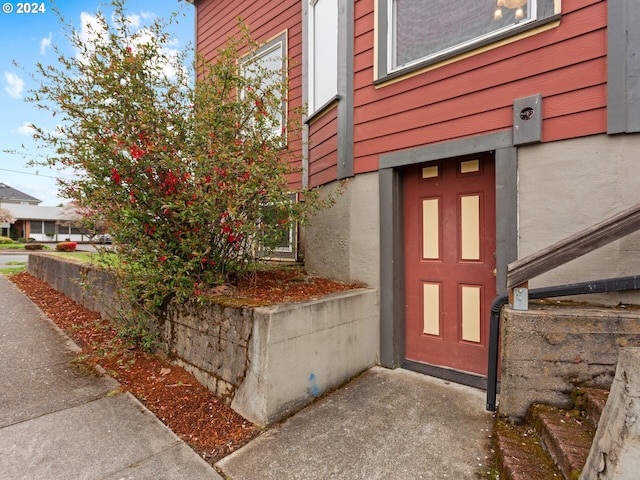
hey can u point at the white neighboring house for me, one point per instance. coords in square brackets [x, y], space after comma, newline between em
[43, 224]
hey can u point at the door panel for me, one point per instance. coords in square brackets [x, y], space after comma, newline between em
[449, 212]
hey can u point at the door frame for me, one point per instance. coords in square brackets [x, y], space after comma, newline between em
[392, 261]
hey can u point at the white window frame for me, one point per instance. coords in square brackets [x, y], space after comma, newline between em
[289, 252]
[330, 75]
[279, 43]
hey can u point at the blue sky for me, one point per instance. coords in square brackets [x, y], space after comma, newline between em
[26, 38]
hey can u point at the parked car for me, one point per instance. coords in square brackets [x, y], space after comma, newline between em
[105, 238]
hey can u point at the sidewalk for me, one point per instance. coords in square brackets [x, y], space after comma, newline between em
[386, 424]
[58, 424]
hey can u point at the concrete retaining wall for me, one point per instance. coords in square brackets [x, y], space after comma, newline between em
[299, 351]
[212, 342]
[549, 350]
[615, 453]
[90, 286]
[266, 362]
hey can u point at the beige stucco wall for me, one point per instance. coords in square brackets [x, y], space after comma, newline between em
[343, 242]
[564, 187]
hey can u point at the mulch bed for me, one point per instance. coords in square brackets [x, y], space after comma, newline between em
[210, 427]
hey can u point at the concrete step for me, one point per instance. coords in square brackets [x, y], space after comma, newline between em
[565, 435]
[553, 443]
[590, 402]
[520, 456]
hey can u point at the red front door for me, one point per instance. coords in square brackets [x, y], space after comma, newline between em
[449, 231]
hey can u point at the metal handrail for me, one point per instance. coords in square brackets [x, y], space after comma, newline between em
[521, 271]
[618, 284]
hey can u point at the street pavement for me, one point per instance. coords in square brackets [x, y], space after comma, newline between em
[7, 258]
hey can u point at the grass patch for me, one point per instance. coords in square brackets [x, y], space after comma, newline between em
[81, 365]
[19, 246]
[104, 259]
[12, 246]
[82, 257]
[12, 270]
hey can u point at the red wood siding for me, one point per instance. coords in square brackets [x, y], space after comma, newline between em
[217, 21]
[472, 96]
[323, 149]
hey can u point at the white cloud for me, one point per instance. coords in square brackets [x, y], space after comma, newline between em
[45, 189]
[45, 43]
[89, 27]
[91, 33]
[26, 129]
[144, 36]
[15, 84]
[133, 20]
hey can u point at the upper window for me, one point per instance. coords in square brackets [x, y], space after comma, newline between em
[323, 52]
[419, 32]
[269, 64]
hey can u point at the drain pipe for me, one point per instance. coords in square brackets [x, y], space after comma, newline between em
[494, 337]
[618, 284]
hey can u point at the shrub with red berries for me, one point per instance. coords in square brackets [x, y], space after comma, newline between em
[189, 177]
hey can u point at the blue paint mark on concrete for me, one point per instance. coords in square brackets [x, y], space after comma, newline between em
[313, 386]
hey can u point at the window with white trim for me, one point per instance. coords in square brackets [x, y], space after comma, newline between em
[269, 64]
[418, 32]
[323, 52]
[284, 235]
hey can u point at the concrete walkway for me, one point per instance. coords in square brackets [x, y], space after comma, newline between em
[58, 424]
[386, 424]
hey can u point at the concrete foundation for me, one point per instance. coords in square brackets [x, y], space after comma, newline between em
[343, 242]
[549, 350]
[615, 453]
